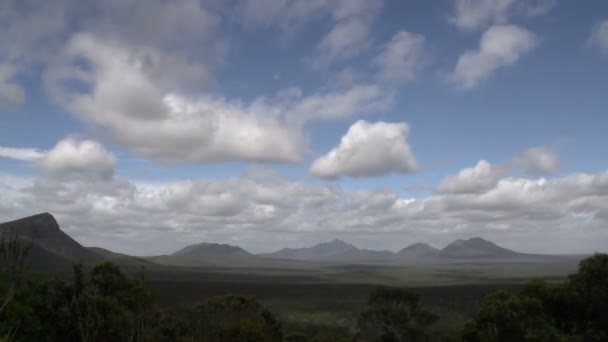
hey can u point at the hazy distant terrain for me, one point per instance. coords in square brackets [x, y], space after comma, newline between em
[463, 261]
[311, 285]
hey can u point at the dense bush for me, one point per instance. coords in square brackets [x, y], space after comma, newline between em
[394, 314]
[235, 318]
[576, 310]
[101, 305]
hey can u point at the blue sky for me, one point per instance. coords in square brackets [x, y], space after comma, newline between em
[465, 117]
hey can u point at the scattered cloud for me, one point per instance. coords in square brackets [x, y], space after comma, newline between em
[599, 36]
[476, 180]
[290, 14]
[539, 161]
[136, 105]
[345, 78]
[259, 207]
[355, 100]
[345, 40]
[401, 58]
[350, 23]
[24, 154]
[477, 14]
[74, 158]
[500, 46]
[537, 7]
[350, 34]
[473, 14]
[368, 149]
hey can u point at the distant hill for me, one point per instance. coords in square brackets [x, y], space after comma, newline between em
[211, 250]
[120, 258]
[418, 250]
[335, 250]
[204, 255]
[221, 255]
[475, 248]
[43, 231]
[325, 250]
[51, 247]
[340, 251]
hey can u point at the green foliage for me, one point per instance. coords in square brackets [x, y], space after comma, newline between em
[235, 318]
[394, 314]
[103, 306]
[13, 252]
[507, 317]
[576, 310]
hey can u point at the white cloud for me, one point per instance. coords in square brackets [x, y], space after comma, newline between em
[472, 14]
[476, 14]
[599, 36]
[401, 58]
[500, 46]
[350, 22]
[25, 154]
[350, 34]
[355, 100]
[156, 23]
[479, 179]
[140, 110]
[539, 161]
[32, 34]
[37, 33]
[346, 39]
[368, 149]
[260, 208]
[74, 158]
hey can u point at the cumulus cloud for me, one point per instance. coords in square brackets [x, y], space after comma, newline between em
[37, 33]
[599, 36]
[368, 149]
[539, 161]
[140, 72]
[144, 115]
[401, 58]
[478, 179]
[74, 158]
[500, 46]
[141, 111]
[24, 154]
[475, 14]
[260, 207]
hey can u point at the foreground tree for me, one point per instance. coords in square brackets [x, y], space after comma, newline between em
[13, 253]
[235, 318]
[507, 317]
[393, 314]
[576, 310]
[101, 305]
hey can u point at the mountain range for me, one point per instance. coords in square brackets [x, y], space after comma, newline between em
[56, 249]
